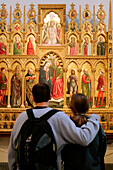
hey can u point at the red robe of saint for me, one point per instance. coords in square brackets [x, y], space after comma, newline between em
[2, 49]
[101, 83]
[30, 48]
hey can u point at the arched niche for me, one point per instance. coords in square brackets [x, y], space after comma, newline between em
[51, 73]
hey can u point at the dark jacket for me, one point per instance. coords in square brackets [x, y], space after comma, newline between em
[77, 157]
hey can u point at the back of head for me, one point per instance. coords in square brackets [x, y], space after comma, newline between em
[79, 103]
[41, 92]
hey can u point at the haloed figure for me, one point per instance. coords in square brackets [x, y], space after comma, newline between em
[58, 84]
[30, 48]
[101, 88]
[73, 47]
[86, 47]
[2, 47]
[30, 82]
[16, 88]
[101, 47]
[86, 84]
[17, 46]
[72, 84]
[44, 76]
[3, 86]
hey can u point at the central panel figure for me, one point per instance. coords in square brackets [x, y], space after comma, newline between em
[51, 72]
[51, 34]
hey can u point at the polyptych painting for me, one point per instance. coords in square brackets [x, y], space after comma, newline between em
[51, 72]
[51, 32]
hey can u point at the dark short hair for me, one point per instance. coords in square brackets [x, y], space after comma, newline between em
[41, 92]
[79, 103]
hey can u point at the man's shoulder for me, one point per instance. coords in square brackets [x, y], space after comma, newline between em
[22, 117]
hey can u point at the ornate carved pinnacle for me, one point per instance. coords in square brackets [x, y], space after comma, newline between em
[3, 6]
[101, 6]
[32, 6]
[17, 5]
[87, 6]
[72, 5]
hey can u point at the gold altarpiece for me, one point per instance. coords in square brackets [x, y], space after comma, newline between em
[82, 46]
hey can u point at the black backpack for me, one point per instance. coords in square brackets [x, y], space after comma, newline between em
[35, 146]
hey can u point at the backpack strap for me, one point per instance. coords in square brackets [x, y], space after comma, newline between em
[30, 114]
[49, 114]
[45, 116]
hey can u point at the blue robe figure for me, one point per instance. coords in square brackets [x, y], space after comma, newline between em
[44, 76]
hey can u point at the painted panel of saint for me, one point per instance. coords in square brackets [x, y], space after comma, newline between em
[17, 46]
[30, 82]
[16, 88]
[100, 46]
[2, 46]
[44, 76]
[100, 86]
[3, 86]
[72, 84]
[51, 73]
[31, 46]
[57, 80]
[51, 33]
[86, 46]
[73, 50]
[86, 84]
